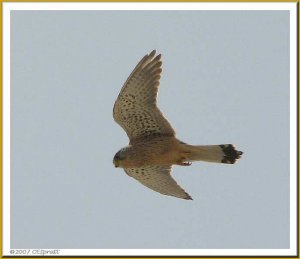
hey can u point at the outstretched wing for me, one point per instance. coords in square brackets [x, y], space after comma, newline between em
[135, 109]
[159, 179]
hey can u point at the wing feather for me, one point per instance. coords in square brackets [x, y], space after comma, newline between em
[159, 179]
[135, 109]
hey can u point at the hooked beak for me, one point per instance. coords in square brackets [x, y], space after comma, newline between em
[115, 164]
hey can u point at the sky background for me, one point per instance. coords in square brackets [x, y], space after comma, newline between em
[225, 80]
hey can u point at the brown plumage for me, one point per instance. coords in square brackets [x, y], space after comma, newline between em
[153, 147]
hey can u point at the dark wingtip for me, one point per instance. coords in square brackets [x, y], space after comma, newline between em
[188, 197]
[231, 155]
[152, 53]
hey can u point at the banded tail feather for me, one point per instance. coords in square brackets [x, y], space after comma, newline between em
[225, 153]
[231, 155]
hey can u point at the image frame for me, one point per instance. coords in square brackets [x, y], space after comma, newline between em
[6, 7]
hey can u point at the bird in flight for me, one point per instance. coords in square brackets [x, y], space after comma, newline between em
[153, 147]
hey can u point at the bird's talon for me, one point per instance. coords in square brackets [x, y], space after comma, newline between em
[185, 163]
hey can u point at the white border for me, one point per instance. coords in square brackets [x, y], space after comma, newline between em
[292, 7]
[293, 128]
[149, 6]
[6, 132]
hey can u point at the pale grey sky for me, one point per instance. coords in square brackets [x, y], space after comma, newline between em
[225, 80]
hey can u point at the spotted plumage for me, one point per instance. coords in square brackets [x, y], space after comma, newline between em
[135, 109]
[153, 147]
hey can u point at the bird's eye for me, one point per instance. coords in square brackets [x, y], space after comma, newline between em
[119, 155]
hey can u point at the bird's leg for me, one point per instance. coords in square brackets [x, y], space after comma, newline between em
[185, 163]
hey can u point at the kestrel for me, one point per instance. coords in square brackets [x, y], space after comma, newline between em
[153, 147]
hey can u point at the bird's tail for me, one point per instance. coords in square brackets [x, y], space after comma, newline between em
[225, 153]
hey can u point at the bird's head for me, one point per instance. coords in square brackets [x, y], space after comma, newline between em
[119, 157]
